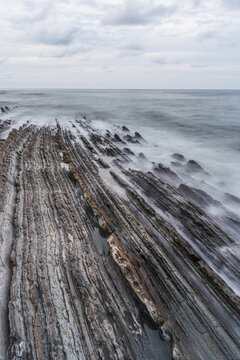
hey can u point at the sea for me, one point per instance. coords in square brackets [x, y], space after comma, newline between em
[202, 125]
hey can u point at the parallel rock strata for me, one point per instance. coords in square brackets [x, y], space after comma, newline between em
[106, 262]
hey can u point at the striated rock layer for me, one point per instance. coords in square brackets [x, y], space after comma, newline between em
[99, 261]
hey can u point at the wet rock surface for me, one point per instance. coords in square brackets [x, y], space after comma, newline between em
[128, 151]
[178, 157]
[4, 125]
[117, 137]
[142, 156]
[131, 139]
[176, 163]
[197, 196]
[137, 135]
[165, 172]
[193, 166]
[107, 263]
[232, 199]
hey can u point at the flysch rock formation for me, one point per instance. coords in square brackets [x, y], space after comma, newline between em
[101, 261]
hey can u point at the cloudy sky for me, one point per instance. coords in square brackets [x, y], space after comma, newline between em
[120, 44]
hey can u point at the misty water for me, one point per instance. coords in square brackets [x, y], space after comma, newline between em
[200, 124]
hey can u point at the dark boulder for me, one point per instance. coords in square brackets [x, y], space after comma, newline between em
[117, 138]
[131, 139]
[128, 151]
[124, 128]
[178, 157]
[108, 133]
[193, 166]
[141, 155]
[102, 163]
[137, 135]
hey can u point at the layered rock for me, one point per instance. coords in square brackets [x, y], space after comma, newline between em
[107, 262]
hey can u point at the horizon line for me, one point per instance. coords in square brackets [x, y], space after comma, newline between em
[117, 89]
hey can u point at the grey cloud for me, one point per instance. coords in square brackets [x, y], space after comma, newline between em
[199, 66]
[137, 13]
[3, 61]
[209, 34]
[55, 36]
[108, 70]
[69, 51]
[90, 3]
[161, 61]
[125, 54]
[133, 46]
[197, 3]
[32, 12]
[5, 76]
[231, 4]
[74, 34]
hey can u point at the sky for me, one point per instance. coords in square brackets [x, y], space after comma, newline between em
[161, 44]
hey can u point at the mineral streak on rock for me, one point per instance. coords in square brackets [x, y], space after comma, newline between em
[107, 263]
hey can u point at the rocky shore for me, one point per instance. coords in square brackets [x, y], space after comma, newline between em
[102, 261]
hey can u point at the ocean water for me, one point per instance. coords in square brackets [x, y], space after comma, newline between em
[202, 125]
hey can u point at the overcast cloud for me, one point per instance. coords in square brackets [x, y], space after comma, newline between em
[120, 44]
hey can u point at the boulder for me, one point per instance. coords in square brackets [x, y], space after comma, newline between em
[137, 135]
[131, 139]
[117, 138]
[128, 151]
[178, 157]
[193, 166]
[141, 155]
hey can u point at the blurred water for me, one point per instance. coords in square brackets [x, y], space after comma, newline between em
[202, 125]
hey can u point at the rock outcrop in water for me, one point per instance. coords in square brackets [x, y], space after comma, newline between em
[100, 261]
[178, 157]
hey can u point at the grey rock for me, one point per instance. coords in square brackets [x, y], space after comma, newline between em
[178, 157]
[88, 272]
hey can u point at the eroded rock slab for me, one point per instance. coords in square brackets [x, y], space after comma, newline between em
[99, 261]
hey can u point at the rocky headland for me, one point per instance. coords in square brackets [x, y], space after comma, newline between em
[103, 261]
